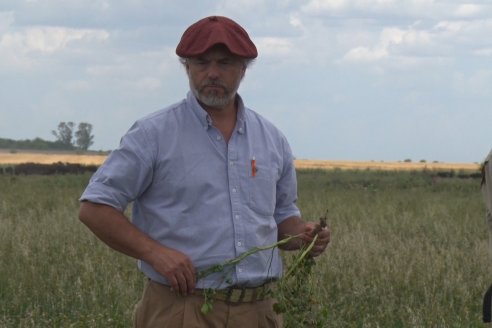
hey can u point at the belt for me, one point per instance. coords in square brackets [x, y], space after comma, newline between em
[235, 294]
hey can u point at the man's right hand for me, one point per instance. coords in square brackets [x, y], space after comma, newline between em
[176, 267]
[114, 228]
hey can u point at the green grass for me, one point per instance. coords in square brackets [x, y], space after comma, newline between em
[406, 251]
[54, 272]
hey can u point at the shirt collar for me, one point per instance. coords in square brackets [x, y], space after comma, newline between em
[206, 120]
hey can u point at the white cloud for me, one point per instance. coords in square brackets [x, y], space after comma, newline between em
[475, 83]
[6, 19]
[390, 40]
[275, 47]
[27, 48]
[76, 85]
[334, 6]
[381, 10]
[420, 43]
[295, 21]
[451, 26]
[317, 6]
[148, 83]
[467, 10]
[472, 36]
[239, 8]
[134, 65]
[48, 39]
[479, 27]
[483, 52]
[363, 54]
[107, 69]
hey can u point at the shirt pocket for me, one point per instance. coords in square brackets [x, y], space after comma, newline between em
[262, 190]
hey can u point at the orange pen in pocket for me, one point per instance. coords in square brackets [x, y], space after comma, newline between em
[253, 167]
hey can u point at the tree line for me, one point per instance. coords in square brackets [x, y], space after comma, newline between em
[66, 139]
[83, 136]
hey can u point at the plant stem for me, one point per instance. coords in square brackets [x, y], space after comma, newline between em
[299, 259]
[236, 260]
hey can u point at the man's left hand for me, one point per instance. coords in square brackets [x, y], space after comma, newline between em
[322, 240]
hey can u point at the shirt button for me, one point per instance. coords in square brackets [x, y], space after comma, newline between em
[234, 190]
[219, 138]
[239, 243]
[236, 216]
[231, 163]
[240, 270]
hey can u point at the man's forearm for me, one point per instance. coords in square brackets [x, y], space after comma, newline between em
[114, 229]
[292, 226]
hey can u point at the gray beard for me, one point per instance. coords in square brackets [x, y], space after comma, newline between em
[213, 100]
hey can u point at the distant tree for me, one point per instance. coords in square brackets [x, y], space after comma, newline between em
[84, 138]
[64, 134]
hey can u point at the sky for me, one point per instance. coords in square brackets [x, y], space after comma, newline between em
[359, 80]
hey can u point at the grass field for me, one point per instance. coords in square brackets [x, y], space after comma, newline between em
[407, 251]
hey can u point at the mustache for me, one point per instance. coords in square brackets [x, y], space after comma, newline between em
[213, 84]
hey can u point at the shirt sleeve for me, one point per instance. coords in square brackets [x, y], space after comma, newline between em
[286, 187]
[126, 173]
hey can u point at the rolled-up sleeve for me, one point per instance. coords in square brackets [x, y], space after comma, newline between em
[126, 173]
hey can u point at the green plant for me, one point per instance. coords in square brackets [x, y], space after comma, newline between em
[295, 294]
[289, 287]
[224, 267]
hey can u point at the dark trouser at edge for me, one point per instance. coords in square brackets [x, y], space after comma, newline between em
[160, 307]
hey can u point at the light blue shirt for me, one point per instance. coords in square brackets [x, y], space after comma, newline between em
[194, 192]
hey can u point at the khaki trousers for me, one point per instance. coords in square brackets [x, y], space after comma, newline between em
[161, 308]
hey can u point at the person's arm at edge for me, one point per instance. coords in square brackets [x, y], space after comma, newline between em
[114, 229]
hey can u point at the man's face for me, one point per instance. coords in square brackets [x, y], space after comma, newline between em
[215, 77]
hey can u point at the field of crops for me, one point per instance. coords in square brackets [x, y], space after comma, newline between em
[50, 158]
[408, 250]
[7, 157]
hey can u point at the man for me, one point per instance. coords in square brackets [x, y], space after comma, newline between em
[209, 180]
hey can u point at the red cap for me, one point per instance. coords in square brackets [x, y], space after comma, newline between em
[213, 30]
